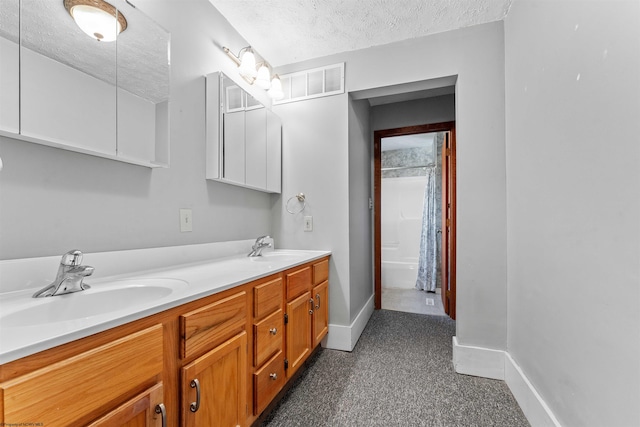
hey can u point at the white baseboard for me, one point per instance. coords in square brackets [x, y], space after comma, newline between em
[499, 365]
[531, 403]
[478, 361]
[345, 337]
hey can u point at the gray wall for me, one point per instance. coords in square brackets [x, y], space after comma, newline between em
[573, 203]
[360, 216]
[53, 200]
[476, 56]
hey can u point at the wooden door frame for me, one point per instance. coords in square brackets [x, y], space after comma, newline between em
[377, 184]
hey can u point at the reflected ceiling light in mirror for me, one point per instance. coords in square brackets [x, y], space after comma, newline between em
[256, 73]
[97, 18]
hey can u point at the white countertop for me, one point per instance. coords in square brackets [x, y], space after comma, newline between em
[199, 279]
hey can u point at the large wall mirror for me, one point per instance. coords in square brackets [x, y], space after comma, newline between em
[244, 138]
[106, 98]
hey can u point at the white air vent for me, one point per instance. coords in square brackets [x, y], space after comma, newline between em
[308, 84]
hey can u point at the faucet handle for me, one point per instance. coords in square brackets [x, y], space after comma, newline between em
[72, 258]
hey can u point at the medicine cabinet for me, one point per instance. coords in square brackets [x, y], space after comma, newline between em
[244, 138]
[64, 89]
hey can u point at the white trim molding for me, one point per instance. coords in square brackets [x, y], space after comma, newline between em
[345, 337]
[499, 365]
[531, 403]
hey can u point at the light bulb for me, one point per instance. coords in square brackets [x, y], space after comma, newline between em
[96, 23]
[247, 66]
[263, 80]
[276, 88]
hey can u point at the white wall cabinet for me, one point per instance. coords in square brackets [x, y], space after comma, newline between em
[244, 138]
[69, 91]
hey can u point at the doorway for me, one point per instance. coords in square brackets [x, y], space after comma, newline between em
[406, 238]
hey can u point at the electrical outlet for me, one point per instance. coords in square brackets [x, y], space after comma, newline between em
[186, 221]
[308, 223]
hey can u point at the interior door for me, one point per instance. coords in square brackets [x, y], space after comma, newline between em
[448, 256]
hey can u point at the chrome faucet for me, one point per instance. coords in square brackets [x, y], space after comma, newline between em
[69, 277]
[259, 245]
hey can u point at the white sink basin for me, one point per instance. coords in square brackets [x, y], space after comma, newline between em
[99, 299]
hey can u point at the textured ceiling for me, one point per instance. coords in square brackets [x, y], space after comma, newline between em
[140, 63]
[289, 31]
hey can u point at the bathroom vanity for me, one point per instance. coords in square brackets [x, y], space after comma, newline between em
[214, 357]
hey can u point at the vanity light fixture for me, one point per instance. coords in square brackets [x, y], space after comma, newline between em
[256, 73]
[97, 18]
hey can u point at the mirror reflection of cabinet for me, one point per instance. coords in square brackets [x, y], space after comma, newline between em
[70, 91]
[244, 138]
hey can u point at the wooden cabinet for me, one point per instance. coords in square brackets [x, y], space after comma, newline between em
[73, 390]
[144, 410]
[214, 386]
[217, 361]
[320, 312]
[268, 342]
[307, 290]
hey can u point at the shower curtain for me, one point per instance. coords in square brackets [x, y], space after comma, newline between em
[427, 261]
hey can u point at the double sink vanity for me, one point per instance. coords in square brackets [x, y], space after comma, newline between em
[197, 342]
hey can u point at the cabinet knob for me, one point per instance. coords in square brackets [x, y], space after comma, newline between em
[273, 376]
[273, 331]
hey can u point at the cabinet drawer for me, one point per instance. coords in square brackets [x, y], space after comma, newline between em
[298, 282]
[267, 337]
[68, 391]
[320, 272]
[267, 298]
[209, 326]
[267, 382]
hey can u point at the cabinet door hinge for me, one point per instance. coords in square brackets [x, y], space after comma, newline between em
[286, 318]
[286, 364]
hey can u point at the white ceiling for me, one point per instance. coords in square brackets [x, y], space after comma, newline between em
[289, 31]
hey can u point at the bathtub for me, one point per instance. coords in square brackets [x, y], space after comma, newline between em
[399, 274]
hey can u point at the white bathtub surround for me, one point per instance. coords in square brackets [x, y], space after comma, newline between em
[499, 365]
[401, 221]
[207, 269]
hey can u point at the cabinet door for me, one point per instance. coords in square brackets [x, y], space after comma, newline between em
[214, 386]
[137, 412]
[298, 329]
[320, 312]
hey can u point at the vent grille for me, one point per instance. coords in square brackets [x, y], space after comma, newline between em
[315, 83]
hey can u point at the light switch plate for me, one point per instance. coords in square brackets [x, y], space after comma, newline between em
[308, 223]
[186, 220]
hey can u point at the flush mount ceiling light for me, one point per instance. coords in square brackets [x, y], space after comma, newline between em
[256, 73]
[97, 18]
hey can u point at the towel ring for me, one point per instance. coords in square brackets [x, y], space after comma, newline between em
[301, 199]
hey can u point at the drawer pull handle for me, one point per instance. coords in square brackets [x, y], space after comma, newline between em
[160, 409]
[318, 298]
[273, 331]
[195, 405]
[311, 302]
[273, 376]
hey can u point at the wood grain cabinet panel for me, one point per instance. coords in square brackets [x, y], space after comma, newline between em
[137, 412]
[214, 386]
[298, 282]
[267, 382]
[208, 326]
[267, 337]
[65, 393]
[320, 272]
[267, 298]
[298, 331]
[320, 312]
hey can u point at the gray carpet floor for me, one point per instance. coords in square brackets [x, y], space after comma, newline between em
[399, 374]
